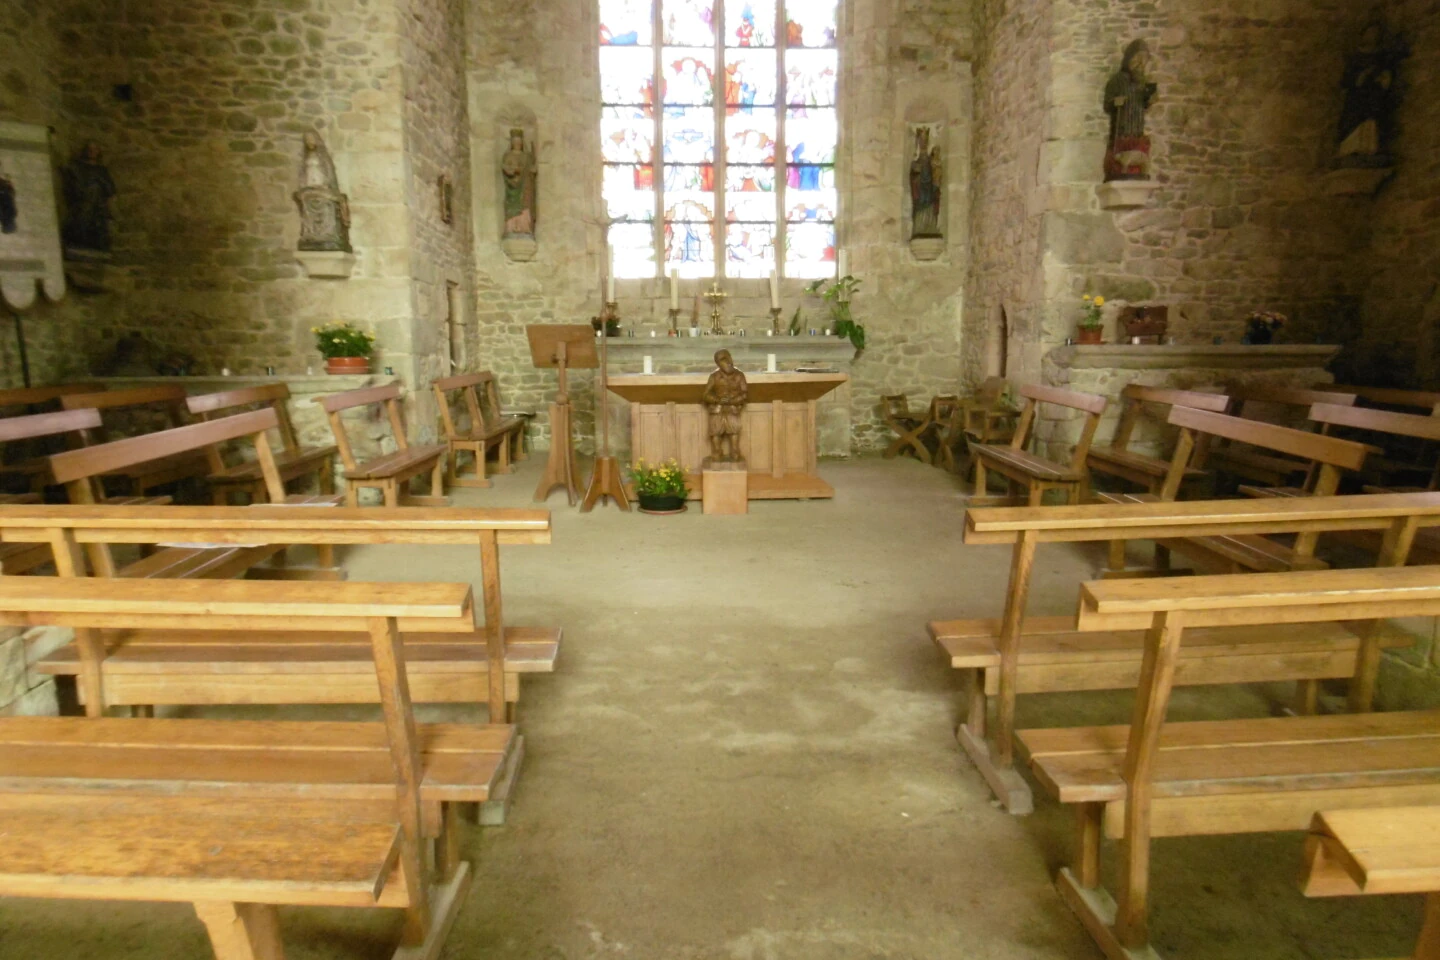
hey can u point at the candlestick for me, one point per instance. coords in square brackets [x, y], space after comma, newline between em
[610, 279]
[674, 291]
[774, 291]
[775, 320]
[716, 296]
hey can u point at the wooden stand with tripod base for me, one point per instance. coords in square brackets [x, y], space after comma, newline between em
[563, 346]
[605, 480]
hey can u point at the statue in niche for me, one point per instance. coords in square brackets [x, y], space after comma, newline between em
[324, 210]
[1367, 119]
[926, 180]
[517, 166]
[88, 188]
[725, 396]
[1128, 94]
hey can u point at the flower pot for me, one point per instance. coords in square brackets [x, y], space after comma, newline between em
[343, 365]
[1088, 334]
[661, 505]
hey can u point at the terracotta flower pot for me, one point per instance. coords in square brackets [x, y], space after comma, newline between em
[343, 365]
[1088, 334]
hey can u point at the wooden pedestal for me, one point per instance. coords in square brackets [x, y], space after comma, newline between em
[726, 491]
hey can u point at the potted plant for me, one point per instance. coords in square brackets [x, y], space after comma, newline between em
[838, 293]
[660, 488]
[1261, 325]
[1088, 329]
[345, 347]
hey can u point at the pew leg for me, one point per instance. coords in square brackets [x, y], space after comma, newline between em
[1036, 495]
[1162, 557]
[325, 555]
[437, 475]
[975, 704]
[352, 496]
[452, 466]
[980, 480]
[1307, 697]
[1116, 558]
[1087, 844]
[447, 846]
[143, 711]
[1428, 946]
[242, 931]
[327, 478]
[392, 493]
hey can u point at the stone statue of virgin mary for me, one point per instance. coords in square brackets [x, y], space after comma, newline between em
[324, 210]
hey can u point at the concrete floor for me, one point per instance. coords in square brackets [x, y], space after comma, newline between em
[747, 754]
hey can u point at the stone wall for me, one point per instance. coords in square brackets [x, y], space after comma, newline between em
[1400, 343]
[534, 65]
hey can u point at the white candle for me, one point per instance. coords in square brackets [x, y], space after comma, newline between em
[843, 271]
[652, 333]
[649, 366]
[769, 363]
[674, 290]
[610, 279]
[774, 290]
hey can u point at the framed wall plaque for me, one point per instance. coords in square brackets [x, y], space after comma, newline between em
[30, 256]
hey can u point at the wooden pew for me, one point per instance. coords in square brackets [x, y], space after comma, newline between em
[239, 817]
[1265, 468]
[389, 473]
[1036, 474]
[80, 471]
[505, 434]
[44, 396]
[1388, 396]
[1001, 658]
[1117, 460]
[1378, 851]
[1327, 459]
[1378, 424]
[292, 461]
[169, 402]
[1154, 779]
[28, 468]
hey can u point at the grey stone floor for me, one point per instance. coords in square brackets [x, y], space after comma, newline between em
[747, 754]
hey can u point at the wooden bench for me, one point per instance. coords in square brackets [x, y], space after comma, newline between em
[1387, 396]
[1265, 467]
[28, 468]
[504, 434]
[1378, 851]
[1326, 458]
[1036, 474]
[291, 460]
[1002, 658]
[33, 397]
[239, 817]
[390, 473]
[1154, 779]
[139, 668]
[1117, 460]
[166, 401]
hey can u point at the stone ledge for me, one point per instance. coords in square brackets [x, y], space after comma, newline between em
[1237, 356]
[326, 264]
[1125, 194]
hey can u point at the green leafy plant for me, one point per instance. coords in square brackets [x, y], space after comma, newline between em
[342, 340]
[658, 480]
[1090, 314]
[837, 293]
[795, 326]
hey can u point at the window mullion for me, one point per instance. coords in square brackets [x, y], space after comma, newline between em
[657, 105]
[717, 84]
[781, 157]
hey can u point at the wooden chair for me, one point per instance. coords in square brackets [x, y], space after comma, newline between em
[1034, 473]
[1001, 658]
[908, 427]
[292, 460]
[168, 402]
[1157, 779]
[1265, 468]
[238, 817]
[81, 470]
[1382, 850]
[390, 473]
[1149, 473]
[505, 434]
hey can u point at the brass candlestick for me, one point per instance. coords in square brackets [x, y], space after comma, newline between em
[610, 313]
[675, 321]
[716, 296]
[775, 320]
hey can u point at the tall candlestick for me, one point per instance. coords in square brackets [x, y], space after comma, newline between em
[774, 290]
[674, 290]
[610, 279]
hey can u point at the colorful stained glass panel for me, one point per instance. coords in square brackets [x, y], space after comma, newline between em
[810, 78]
[623, 140]
[696, 178]
[689, 134]
[810, 134]
[626, 22]
[740, 179]
[750, 137]
[752, 205]
[749, 249]
[627, 75]
[810, 23]
[634, 246]
[810, 250]
[688, 23]
[749, 23]
[750, 78]
[688, 76]
[808, 178]
[690, 249]
[811, 205]
[690, 207]
[629, 192]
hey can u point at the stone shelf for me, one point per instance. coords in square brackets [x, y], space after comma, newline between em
[1231, 356]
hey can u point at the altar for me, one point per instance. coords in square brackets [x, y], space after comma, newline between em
[777, 434]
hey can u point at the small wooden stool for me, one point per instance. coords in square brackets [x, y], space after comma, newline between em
[725, 489]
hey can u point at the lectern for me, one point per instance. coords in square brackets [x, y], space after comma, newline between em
[564, 346]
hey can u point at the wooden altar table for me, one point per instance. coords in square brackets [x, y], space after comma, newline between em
[777, 434]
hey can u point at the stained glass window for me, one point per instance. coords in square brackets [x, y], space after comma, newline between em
[718, 130]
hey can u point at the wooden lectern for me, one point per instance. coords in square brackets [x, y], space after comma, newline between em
[563, 346]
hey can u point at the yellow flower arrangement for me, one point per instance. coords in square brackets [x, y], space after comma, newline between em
[663, 480]
[1090, 319]
[342, 340]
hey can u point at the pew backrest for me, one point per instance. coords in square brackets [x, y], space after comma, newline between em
[1240, 396]
[168, 399]
[37, 396]
[273, 395]
[471, 385]
[1389, 396]
[387, 395]
[1034, 394]
[48, 424]
[1332, 454]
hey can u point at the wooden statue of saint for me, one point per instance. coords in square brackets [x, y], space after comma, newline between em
[1128, 94]
[725, 396]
